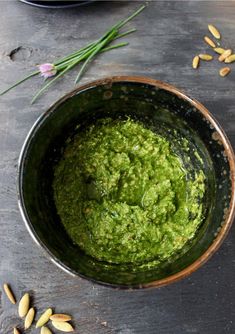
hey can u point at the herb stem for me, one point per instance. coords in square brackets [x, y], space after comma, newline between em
[112, 34]
[122, 23]
[20, 81]
[80, 58]
[74, 54]
[114, 46]
[125, 33]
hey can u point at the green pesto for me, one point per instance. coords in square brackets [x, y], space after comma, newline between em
[124, 196]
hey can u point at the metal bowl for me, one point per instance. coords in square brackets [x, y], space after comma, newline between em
[153, 102]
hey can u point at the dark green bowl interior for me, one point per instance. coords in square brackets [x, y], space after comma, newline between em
[163, 112]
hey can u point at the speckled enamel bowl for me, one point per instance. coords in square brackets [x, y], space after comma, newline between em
[152, 102]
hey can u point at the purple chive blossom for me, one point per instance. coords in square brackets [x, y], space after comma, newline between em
[47, 70]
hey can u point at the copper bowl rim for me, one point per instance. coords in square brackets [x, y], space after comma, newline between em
[222, 138]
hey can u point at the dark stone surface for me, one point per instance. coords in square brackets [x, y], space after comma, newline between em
[169, 34]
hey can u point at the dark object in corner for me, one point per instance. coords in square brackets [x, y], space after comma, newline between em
[56, 4]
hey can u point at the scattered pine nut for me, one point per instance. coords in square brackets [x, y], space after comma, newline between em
[195, 62]
[24, 305]
[230, 59]
[45, 330]
[224, 71]
[209, 41]
[60, 317]
[214, 31]
[225, 55]
[59, 321]
[205, 56]
[29, 318]
[9, 293]
[16, 331]
[62, 326]
[44, 318]
[219, 50]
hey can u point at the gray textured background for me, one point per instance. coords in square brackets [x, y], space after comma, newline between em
[169, 34]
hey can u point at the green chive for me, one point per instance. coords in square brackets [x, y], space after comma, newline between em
[86, 54]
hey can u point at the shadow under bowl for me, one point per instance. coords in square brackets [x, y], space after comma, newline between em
[160, 107]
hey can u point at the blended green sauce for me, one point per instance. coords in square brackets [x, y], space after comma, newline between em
[124, 196]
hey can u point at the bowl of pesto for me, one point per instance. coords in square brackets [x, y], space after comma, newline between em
[127, 182]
